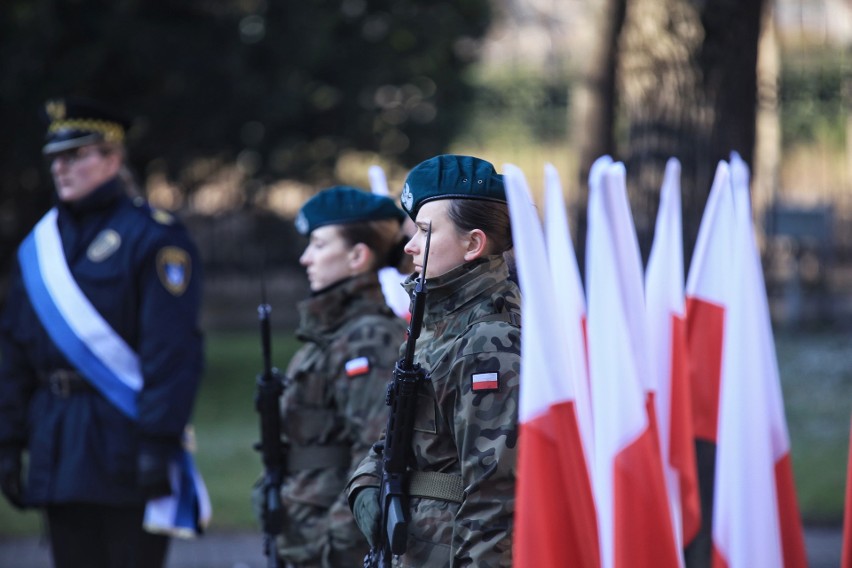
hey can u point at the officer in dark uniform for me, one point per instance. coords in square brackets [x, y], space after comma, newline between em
[100, 351]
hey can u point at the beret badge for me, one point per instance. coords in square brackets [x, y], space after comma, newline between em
[302, 223]
[407, 198]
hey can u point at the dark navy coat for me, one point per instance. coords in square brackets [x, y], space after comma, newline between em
[81, 448]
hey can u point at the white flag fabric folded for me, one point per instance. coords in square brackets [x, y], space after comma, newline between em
[633, 512]
[555, 515]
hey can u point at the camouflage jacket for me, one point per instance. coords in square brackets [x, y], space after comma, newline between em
[335, 398]
[467, 419]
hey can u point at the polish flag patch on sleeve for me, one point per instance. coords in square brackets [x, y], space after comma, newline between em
[485, 381]
[357, 366]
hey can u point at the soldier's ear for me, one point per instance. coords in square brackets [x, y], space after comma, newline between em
[477, 245]
[360, 258]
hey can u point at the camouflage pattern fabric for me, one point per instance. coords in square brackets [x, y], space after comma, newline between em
[462, 431]
[324, 405]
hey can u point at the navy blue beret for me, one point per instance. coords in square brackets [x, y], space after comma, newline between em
[73, 122]
[342, 204]
[451, 177]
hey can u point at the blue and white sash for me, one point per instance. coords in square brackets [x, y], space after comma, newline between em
[104, 359]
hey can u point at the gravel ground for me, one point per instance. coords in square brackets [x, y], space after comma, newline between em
[244, 550]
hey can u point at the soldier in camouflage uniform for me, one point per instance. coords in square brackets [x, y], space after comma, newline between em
[333, 405]
[463, 462]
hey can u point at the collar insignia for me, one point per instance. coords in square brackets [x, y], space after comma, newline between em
[105, 244]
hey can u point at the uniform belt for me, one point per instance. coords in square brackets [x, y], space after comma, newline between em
[436, 485]
[65, 382]
[317, 457]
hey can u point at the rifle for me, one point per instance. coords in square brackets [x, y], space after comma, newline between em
[267, 403]
[401, 396]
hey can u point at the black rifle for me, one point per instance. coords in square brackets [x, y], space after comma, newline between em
[267, 402]
[402, 398]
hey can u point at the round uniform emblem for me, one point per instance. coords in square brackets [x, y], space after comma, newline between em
[174, 268]
[105, 244]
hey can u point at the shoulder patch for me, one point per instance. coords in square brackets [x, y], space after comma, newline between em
[357, 366]
[162, 217]
[174, 268]
[485, 381]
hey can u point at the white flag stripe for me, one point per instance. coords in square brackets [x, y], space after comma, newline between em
[746, 527]
[742, 203]
[378, 181]
[539, 390]
[618, 409]
[664, 297]
[389, 277]
[707, 274]
[569, 302]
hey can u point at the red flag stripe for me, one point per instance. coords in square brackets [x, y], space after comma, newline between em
[641, 517]
[846, 560]
[705, 322]
[681, 444]
[556, 513]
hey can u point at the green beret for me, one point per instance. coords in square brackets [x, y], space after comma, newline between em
[342, 204]
[451, 177]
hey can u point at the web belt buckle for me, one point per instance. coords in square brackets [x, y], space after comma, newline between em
[60, 382]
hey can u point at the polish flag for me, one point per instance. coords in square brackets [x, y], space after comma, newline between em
[846, 560]
[665, 305]
[633, 512]
[555, 521]
[707, 292]
[569, 304]
[756, 519]
[389, 277]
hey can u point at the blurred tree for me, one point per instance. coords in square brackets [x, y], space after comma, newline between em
[685, 86]
[278, 88]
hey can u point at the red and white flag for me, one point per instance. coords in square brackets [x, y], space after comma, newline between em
[390, 278]
[569, 303]
[665, 305]
[633, 512]
[708, 288]
[846, 559]
[555, 521]
[756, 519]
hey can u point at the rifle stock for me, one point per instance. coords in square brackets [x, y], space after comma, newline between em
[402, 399]
[267, 403]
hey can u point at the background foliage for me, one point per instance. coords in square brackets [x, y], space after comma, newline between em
[279, 88]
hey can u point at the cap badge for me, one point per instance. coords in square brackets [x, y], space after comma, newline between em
[55, 110]
[407, 198]
[107, 242]
[302, 223]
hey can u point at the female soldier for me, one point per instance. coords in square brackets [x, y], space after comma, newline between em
[333, 404]
[466, 425]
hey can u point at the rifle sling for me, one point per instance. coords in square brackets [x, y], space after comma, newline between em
[436, 485]
[317, 457]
